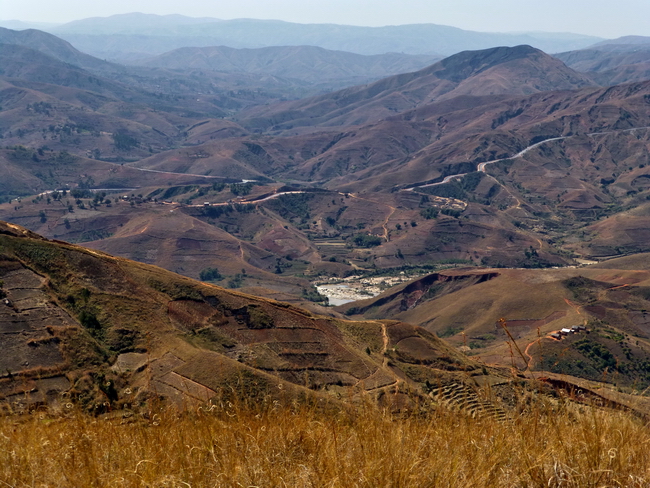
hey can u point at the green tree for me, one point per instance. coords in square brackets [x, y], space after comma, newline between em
[210, 274]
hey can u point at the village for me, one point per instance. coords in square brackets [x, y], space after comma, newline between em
[576, 329]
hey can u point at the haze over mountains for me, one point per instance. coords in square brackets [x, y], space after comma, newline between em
[611, 62]
[261, 168]
[496, 71]
[116, 37]
[311, 64]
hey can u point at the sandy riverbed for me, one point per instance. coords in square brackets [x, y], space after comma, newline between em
[353, 288]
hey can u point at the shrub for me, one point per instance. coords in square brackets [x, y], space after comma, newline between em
[210, 274]
[124, 142]
[365, 240]
[429, 213]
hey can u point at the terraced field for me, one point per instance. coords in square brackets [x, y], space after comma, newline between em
[461, 397]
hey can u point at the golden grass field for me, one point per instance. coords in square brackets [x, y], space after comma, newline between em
[226, 445]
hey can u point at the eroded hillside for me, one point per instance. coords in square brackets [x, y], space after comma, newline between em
[517, 316]
[106, 331]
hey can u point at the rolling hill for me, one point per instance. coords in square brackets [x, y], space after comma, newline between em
[539, 201]
[108, 334]
[495, 204]
[166, 90]
[521, 70]
[97, 325]
[622, 60]
[563, 156]
[317, 66]
[54, 47]
[480, 309]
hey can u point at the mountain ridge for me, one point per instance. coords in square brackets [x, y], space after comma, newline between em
[53, 46]
[622, 60]
[94, 36]
[492, 71]
[309, 63]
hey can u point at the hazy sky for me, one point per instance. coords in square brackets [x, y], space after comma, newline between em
[605, 18]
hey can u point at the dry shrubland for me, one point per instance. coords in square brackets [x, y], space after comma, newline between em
[224, 445]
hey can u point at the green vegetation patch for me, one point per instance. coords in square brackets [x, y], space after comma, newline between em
[449, 331]
[216, 211]
[596, 352]
[93, 235]
[584, 290]
[313, 295]
[41, 254]
[210, 274]
[211, 338]
[365, 240]
[124, 142]
[241, 189]
[291, 206]
[254, 317]
[429, 213]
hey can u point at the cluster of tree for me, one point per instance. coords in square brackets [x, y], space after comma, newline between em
[314, 296]
[241, 189]
[124, 142]
[366, 240]
[210, 274]
[429, 213]
[292, 206]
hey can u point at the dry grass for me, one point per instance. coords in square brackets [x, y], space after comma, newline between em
[279, 446]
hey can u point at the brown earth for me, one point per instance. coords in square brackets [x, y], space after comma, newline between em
[108, 333]
[540, 201]
[71, 314]
[478, 73]
[466, 307]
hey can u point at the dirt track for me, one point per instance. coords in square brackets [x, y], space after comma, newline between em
[481, 166]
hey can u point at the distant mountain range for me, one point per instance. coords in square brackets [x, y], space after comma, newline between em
[311, 64]
[52, 46]
[612, 62]
[402, 131]
[22, 25]
[135, 35]
[520, 70]
[297, 71]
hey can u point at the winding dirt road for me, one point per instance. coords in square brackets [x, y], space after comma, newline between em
[386, 341]
[184, 174]
[385, 224]
[530, 358]
[481, 166]
[384, 348]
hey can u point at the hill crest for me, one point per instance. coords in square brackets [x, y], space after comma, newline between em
[521, 70]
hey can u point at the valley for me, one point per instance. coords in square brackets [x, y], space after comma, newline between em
[325, 225]
[263, 253]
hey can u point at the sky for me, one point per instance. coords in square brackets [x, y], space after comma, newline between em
[603, 18]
